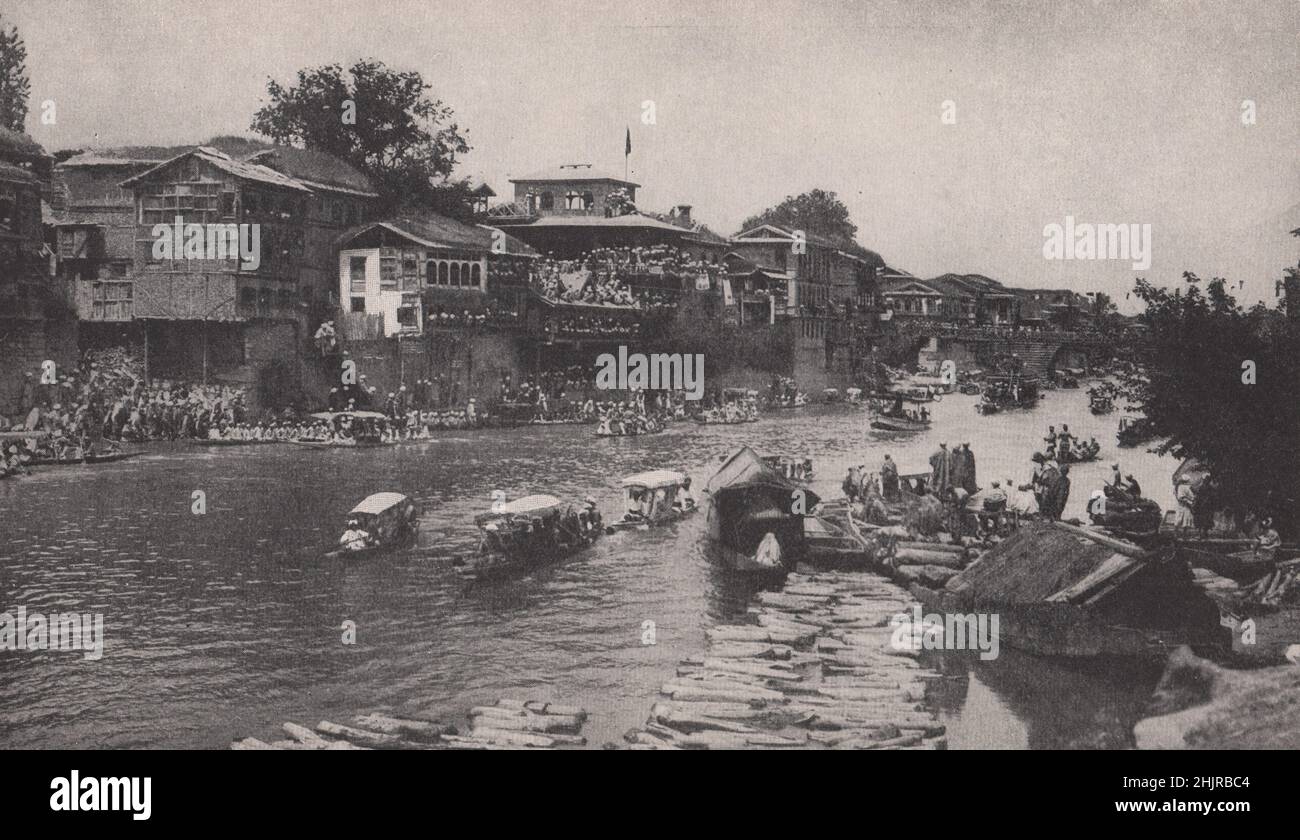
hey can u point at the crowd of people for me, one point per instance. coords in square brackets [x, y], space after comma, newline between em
[106, 400]
[586, 324]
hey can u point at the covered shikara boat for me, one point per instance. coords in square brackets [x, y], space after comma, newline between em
[379, 523]
[529, 532]
[756, 515]
[903, 416]
[653, 498]
[1060, 590]
[1008, 390]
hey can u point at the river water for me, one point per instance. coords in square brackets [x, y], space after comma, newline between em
[223, 625]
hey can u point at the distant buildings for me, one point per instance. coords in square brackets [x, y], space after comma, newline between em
[575, 209]
[976, 300]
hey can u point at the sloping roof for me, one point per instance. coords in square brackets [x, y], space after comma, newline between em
[530, 504]
[654, 479]
[222, 161]
[631, 220]
[136, 155]
[571, 172]
[315, 169]
[851, 250]
[434, 231]
[378, 503]
[1039, 561]
[746, 469]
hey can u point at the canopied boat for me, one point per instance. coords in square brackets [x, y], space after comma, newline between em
[655, 498]
[905, 415]
[756, 515]
[379, 523]
[526, 533]
[1008, 390]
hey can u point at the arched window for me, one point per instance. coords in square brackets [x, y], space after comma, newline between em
[572, 201]
[455, 274]
[475, 274]
[548, 201]
[442, 274]
[430, 273]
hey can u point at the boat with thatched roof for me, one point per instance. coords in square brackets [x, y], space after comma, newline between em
[1060, 590]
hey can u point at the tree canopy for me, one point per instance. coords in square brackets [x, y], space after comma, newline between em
[818, 212]
[15, 87]
[382, 121]
[1202, 351]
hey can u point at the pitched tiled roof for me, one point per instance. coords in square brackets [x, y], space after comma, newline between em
[435, 231]
[238, 168]
[315, 169]
[849, 249]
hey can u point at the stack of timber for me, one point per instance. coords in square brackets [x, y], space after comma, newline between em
[909, 557]
[510, 724]
[816, 670]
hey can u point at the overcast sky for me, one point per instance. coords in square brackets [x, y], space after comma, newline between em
[1112, 112]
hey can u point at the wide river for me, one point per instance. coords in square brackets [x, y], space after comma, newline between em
[223, 625]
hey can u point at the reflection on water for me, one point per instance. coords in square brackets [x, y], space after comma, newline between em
[223, 625]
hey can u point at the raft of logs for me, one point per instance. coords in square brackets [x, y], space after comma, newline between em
[816, 669]
[510, 724]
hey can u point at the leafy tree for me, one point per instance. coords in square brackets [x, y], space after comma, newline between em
[818, 212]
[1194, 395]
[380, 120]
[15, 87]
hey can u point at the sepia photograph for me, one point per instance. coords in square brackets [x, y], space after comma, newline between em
[725, 375]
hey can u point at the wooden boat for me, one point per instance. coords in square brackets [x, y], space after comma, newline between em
[1060, 590]
[104, 458]
[390, 520]
[662, 488]
[230, 442]
[1134, 431]
[898, 418]
[526, 533]
[1009, 390]
[654, 429]
[320, 443]
[756, 515]
[1101, 405]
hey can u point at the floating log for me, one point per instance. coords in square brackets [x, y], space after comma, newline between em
[916, 557]
[1128, 549]
[304, 736]
[688, 722]
[419, 730]
[522, 719]
[377, 740]
[932, 576]
[251, 744]
[903, 545]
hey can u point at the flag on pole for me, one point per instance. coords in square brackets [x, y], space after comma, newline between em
[627, 149]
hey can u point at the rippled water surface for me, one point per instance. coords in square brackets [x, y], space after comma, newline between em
[224, 625]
